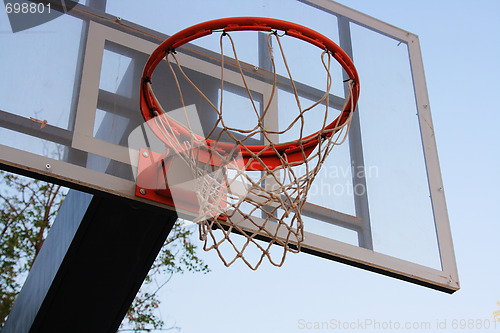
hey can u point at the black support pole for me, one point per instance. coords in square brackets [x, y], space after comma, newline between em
[91, 265]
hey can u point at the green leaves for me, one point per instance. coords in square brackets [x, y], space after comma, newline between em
[28, 208]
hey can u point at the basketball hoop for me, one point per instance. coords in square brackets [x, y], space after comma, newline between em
[268, 207]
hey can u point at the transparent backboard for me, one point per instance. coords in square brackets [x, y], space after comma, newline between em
[67, 112]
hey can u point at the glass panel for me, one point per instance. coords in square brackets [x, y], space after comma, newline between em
[399, 201]
[38, 69]
[298, 53]
[239, 112]
[33, 144]
[114, 69]
[332, 187]
[110, 127]
[330, 230]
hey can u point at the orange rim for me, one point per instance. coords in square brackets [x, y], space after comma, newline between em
[271, 156]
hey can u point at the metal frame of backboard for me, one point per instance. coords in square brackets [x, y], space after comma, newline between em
[102, 26]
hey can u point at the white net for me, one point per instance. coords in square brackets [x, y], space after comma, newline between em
[238, 189]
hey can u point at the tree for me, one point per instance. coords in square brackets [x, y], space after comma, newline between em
[28, 208]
